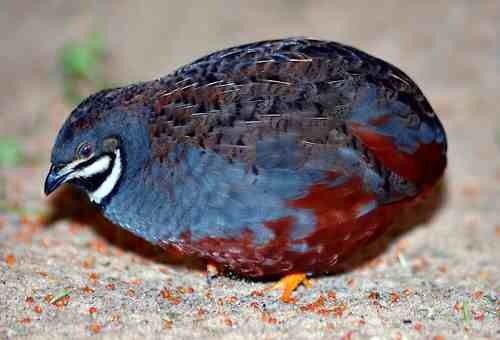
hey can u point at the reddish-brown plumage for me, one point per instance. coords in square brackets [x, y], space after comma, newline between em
[424, 166]
[339, 232]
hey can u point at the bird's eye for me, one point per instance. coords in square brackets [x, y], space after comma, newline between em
[84, 150]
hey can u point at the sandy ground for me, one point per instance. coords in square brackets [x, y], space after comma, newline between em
[437, 275]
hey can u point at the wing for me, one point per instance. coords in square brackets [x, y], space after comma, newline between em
[303, 103]
[284, 148]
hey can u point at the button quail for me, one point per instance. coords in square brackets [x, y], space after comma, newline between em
[272, 159]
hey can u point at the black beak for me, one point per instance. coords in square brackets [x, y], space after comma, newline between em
[54, 180]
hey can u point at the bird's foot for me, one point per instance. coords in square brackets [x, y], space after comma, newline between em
[289, 283]
[212, 272]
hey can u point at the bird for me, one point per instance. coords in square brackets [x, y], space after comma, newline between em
[273, 159]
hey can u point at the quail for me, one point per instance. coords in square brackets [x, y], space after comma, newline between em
[277, 158]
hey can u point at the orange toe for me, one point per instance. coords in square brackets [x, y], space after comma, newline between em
[212, 271]
[289, 283]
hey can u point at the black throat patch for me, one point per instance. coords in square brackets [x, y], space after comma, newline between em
[91, 184]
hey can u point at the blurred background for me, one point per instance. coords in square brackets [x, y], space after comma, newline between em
[53, 53]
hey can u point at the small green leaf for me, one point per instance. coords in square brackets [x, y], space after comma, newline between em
[10, 152]
[59, 296]
[78, 61]
[82, 64]
[467, 313]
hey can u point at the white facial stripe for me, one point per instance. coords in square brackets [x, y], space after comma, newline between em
[109, 183]
[101, 165]
[71, 166]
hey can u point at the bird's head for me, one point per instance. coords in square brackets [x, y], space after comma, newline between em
[93, 145]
